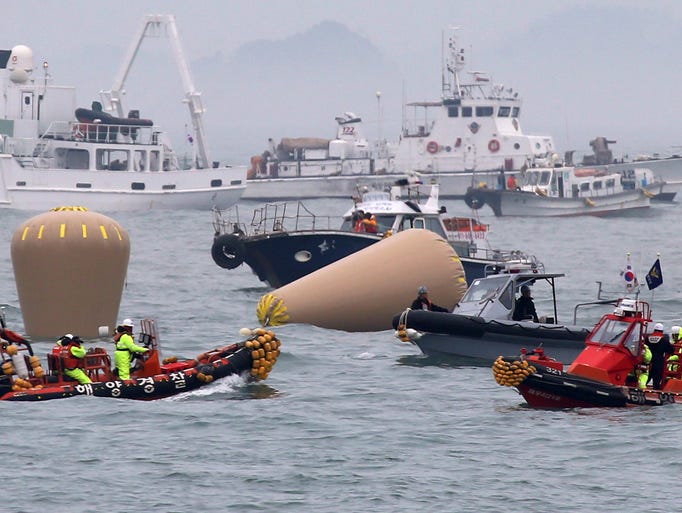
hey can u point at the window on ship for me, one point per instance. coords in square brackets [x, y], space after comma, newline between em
[467, 112]
[515, 112]
[504, 112]
[484, 112]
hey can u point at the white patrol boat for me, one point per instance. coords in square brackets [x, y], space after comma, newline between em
[52, 153]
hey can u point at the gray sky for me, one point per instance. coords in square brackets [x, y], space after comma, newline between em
[574, 85]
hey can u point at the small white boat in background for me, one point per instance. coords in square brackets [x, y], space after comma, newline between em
[667, 169]
[53, 154]
[569, 191]
[311, 167]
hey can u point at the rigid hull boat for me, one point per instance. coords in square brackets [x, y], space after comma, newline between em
[665, 168]
[311, 167]
[25, 378]
[54, 154]
[471, 134]
[603, 375]
[569, 191]
[481, 326]
[285, 242]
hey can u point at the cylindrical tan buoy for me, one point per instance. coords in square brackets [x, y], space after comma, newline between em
[363, 291]
[70, 266]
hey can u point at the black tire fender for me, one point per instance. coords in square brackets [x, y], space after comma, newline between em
[228, 251]
[474, 200]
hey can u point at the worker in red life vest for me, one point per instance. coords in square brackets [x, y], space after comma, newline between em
[70, 351]
[512, 184]
[125, 348]
[357, 219]
[370, 223]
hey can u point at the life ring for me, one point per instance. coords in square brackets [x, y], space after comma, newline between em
[474, 199]
[494, 145]
[228, 251]
[432, 147]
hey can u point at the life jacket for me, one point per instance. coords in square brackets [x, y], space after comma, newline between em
[69, 361]
[117, 339]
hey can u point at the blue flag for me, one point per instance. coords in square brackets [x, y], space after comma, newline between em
[655, 277]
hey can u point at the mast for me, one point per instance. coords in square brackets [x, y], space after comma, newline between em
[151, 27]
[455, 61]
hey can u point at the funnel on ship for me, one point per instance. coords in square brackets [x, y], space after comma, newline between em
[363, 291]
[69, 266]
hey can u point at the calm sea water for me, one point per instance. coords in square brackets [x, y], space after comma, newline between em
[347, 421]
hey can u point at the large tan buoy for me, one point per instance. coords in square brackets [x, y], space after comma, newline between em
[70, 266]
[363, 291]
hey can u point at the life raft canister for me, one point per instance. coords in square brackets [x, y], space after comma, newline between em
[228, 251]
[494, 145]
[432, 147]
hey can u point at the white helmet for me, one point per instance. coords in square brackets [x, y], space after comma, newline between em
[128, 323]
[675, 330]
[658, 327]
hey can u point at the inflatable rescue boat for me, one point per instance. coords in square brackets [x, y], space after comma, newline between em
[603, 375]
[24, 378]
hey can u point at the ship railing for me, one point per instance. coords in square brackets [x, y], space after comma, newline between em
[508, 261]
[102, 133]
[272, 218]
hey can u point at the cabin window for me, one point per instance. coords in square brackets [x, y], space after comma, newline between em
[515, 112]
[532, 178]
[113, 160]
[545, 177]
[610, 183]
[434, 225]
[73, 159]
[504, 112]
[597, 186]
[467, 112]
[453, 112]
[632, 341]
[484, 112]
[216, 182]
[610, 332]
[384, 223]
[140, 160]
[507, 297]
[154, 159]
[584, 187]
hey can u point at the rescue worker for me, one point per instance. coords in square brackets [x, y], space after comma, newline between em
[369, 223]
[125, 349]
[524, 310]
[424, 303]
[70, 351]
[660, 346]
[512, 184]
[673, 366]
[642, 370]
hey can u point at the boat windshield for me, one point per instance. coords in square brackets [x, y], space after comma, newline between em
[611, 332]
[538, 177]
[482, 289]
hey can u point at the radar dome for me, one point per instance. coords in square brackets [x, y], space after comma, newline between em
[20, 64]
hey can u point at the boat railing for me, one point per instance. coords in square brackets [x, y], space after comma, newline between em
[102, 133]
[272, 218]
[508, 261]
[601, 300]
